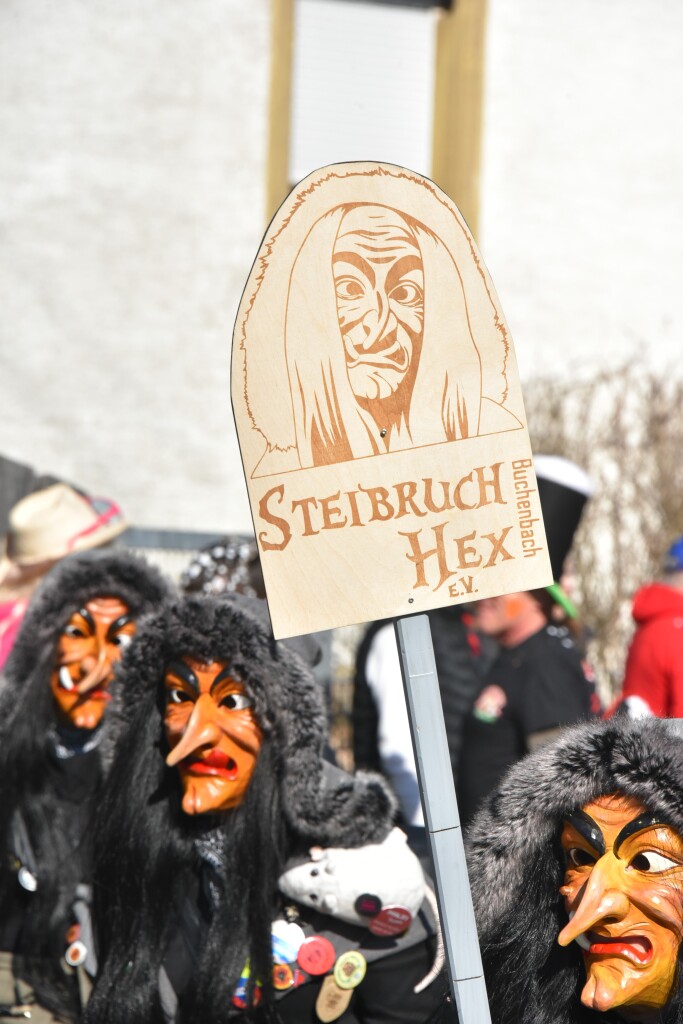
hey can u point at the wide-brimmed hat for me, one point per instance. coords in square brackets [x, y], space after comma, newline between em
[57, 521]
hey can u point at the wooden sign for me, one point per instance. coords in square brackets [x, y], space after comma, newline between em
[378, 408]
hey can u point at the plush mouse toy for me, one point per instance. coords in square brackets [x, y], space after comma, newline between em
[354, 885]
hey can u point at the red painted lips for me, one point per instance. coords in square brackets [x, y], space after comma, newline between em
[214, 763]
[636, 948]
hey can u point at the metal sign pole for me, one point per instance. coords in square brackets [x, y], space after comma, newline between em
[437, 791]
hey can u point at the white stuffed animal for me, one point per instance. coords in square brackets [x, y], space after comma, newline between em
[341, 881]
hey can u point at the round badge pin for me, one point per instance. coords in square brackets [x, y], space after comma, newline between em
[283, 977]
[76, 954]
[316, 955]
[367, 905]
[27, 880]
[350, 969]
[73, 933]
[287, 939]
[393, 920]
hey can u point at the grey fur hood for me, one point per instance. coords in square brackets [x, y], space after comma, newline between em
[321, 804]
[516, 866]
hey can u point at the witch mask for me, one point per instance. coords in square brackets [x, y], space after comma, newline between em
[212, 732]
[624, 898]
[88, 648]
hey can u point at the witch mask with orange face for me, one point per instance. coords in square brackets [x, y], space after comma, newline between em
[213, 734]
[623, 892]
[88, 648]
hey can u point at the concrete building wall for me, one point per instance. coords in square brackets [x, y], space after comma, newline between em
[582, 185]
[132, 174]
[131, 205]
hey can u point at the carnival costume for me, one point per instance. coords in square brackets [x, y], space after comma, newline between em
[573, 920]
[191, 924]
[51, 771]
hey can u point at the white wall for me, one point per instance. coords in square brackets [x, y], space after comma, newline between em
[131, 206]
[132, 172]
[582, 186]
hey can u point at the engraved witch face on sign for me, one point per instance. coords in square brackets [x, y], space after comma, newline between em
[371, 326]
[379, 287]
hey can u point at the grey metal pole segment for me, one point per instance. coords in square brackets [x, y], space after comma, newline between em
[437, 791]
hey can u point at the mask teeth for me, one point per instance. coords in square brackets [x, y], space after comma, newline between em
[581, 940]
[65, 680]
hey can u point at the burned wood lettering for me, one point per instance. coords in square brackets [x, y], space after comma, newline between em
[378, 408]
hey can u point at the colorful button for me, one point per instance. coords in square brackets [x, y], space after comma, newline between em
[316, 955]
[76, 954]
[350, 969]
[332, 1001]
[283, 977]
[287, 938]
[391, 921]
[239, 998]
[368, 905]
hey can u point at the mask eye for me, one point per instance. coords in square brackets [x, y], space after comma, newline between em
[580, 858]
[73, 631]
[653, 863]
[121, 640]
[177, 697]
[237, 702]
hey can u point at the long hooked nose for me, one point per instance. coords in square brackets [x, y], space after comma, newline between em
[376, 322]
[98, 670]
[201, 731]
[603, 900]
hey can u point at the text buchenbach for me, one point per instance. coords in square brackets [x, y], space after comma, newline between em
[480, 487]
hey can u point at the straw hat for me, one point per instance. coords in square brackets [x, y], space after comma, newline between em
[49, 524]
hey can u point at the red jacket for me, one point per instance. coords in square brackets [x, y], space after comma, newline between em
[654, 666]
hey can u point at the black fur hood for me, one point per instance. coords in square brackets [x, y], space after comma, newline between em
[516, 867]
[67, 587]
[321, 804]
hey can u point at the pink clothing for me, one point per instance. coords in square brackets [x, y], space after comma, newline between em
[654, 666]
[11, 615]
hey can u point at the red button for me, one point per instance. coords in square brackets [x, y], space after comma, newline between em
[391, 921]
[317, 955]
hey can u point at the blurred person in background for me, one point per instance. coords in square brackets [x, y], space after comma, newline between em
[43, 528]
[381, 729]
[537, 683]
[16, 481]
[653, 679]
[56, 740]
